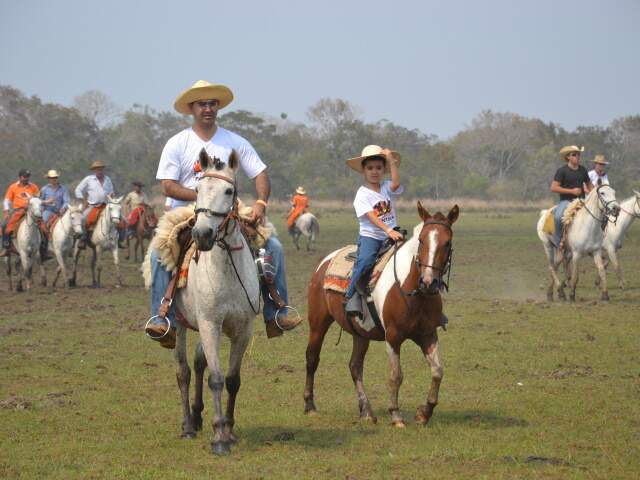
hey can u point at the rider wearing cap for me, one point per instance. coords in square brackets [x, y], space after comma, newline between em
[571, 181]
[55, 201]
[178, 172]
[16, 202]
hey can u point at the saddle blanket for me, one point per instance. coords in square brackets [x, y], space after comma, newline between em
[338, 274]
[549, 222]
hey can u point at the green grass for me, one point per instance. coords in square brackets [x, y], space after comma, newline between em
[85, 395]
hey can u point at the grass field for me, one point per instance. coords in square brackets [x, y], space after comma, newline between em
[531, 390]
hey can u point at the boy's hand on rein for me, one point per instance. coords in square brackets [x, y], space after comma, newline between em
[395, 235]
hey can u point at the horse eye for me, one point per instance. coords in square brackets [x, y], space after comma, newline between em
[228, 191]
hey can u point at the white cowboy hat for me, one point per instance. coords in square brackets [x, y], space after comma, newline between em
[600, 159]
[368, 152]
[53, 174]
[202, 90]
[301, 191]
[571, 148]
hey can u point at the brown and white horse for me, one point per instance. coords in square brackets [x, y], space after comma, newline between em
[407, 298]
[142, 230]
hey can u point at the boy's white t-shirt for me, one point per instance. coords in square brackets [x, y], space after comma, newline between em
[181, 153]
[368, 200]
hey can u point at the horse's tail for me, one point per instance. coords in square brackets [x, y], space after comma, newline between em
[145, 268]
[315, 226]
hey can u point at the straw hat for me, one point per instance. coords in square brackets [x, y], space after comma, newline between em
[600, 159]
[571, 148]
[97, 164]
[53, 174]
[203, 90]
[368, 152]
[301, 191]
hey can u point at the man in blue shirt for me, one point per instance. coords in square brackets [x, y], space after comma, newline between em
[55, 197]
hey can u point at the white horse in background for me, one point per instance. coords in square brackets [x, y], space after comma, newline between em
[104, 237]
[27, 244]
[629, 211]
[62, 239]
[307, 225]
[221, 296]
[585, 236]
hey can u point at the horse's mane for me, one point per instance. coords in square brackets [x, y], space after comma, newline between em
[574, 207]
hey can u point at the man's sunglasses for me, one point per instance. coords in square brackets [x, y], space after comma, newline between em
[209, 103]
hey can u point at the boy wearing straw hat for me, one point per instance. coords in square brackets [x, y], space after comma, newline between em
[375, 211]
[178, 174]
[571, 181]
[598, 175]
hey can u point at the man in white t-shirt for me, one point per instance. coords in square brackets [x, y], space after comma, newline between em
[178, 172]
[598, 175]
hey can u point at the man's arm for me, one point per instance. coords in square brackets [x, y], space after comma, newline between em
[263, 190]
[556, 188]
[173, 189]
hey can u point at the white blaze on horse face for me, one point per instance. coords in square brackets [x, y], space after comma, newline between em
[35, 205]
[427, 275]
[76, 220]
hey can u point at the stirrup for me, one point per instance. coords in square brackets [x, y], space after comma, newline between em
[161, 336]
[285, 308]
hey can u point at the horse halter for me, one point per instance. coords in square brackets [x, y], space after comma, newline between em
[633, 210]
[438, 282]
[228, 215]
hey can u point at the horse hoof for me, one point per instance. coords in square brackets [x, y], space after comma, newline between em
[197, 424]
[549, 297]
[572, 298]
[605, 296]
[220, 448]
[310, 408]
[368, 418]
[232, 438]
[398, 424]
[561, 295]
[188, 435]
[424, 413]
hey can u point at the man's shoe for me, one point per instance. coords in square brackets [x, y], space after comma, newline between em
[286, 323]
[353, 305]
[157, 332]
[272, 329]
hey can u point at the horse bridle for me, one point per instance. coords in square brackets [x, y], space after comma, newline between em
[229, 215]
[633, 213]
[444, 270]
[607, 212]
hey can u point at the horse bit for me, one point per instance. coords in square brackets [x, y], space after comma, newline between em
[607, 212]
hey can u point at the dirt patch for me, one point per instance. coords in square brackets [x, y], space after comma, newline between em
[564, 371]
[15, 403]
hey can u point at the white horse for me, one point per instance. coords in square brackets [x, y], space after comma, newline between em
[307, 225]
[62, 239]
[27, 244]
[629, 211]
[104, 237]
[221, 296]
[584, 237]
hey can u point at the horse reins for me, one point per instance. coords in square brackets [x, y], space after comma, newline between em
[230, 215]
[607, 212]
[632, 214]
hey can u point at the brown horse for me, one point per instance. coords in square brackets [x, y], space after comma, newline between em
[407, 298]
[142, 230]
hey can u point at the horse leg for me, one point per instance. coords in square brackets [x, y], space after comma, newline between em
[138, 245]
[210, 337]
[597, 258]
[318, 326]
[96, 268]
[43, 273]
[199, 365]
[183, 376]
[74, 271]
[232, 380]
[574, 276]
[9, 271]
[395, 380]
[555, 282]
[116, 262]
[356, 367]
[429, 345]
[613, 258]
[127, 255]
[25, 271]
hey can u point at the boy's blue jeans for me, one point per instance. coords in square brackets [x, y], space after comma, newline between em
[161, 278]
[368, 249]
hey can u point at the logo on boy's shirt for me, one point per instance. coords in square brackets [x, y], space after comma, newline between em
[381, 208]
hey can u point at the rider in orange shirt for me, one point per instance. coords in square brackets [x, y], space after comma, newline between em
[16, 201]
[299, 205]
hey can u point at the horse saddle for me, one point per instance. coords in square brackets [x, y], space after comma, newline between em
[51, 224]
[338, 274]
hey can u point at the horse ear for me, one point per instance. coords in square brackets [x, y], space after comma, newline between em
[204, 159]
[453, 214]
[637, 193]
[234, 161]
[424, 215]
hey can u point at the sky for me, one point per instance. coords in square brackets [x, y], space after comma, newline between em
[429, 65]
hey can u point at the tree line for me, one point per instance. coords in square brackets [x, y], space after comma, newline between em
[499, 155]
